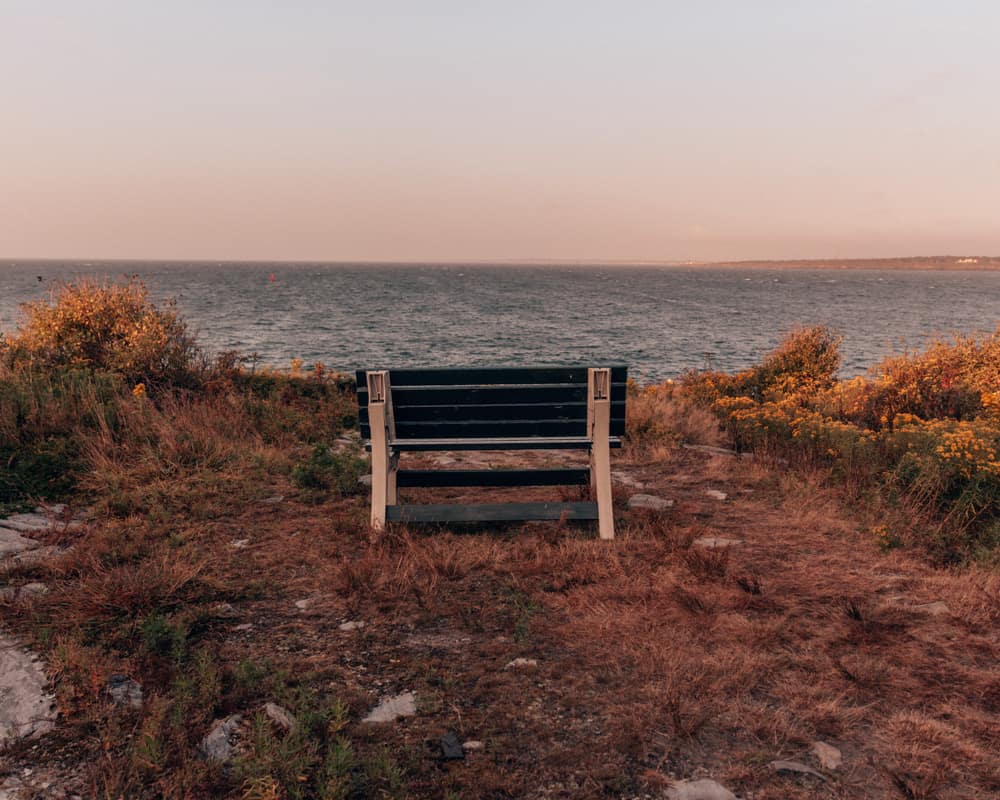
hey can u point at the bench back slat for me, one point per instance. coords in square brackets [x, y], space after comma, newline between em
[493, 402]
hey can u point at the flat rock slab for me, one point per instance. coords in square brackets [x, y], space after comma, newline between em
[795, 768]
[650, 501]
[26, 707]
[716, 541]
[26, 523]
[715, 494]
[392, 708]
[703, 789]
[12, 542]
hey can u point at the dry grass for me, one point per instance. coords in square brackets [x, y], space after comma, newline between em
[657, 659]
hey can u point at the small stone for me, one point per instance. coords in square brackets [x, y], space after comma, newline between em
[390, 709]
[273, 499]
[715, 494]
[281, 717]
[649, 501]
[716, 541]
[246, 626]
[220, 743]
[703, 789]
[794, 767]
[224, 609]
[451, 748]
[351, 625]
[829, 756]
[239, 544]
[472, 745]
[302, 605]
[626, 480]
[522, 663]
[124, 691]
[935, 609]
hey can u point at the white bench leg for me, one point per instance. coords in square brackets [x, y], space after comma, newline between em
[599, 408]
[378, 420]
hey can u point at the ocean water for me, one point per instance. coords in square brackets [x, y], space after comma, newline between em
[658, 320]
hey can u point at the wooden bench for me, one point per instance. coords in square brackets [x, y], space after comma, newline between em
[501, 408]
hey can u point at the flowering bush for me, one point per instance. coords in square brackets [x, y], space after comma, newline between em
[926, 425]
[103, 326]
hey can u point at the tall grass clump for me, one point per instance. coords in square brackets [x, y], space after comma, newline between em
[923, 429]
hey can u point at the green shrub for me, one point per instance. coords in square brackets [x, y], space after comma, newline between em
[328, 472]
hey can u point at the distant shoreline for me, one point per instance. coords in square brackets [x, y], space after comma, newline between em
[914, 263]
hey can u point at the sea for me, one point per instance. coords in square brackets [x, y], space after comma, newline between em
[660, 321]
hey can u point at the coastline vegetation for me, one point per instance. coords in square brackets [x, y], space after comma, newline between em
[917, 440]
[185, 464]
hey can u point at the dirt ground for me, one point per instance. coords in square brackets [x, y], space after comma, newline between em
[707, 640]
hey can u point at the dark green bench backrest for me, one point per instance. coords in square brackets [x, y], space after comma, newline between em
[460, 403]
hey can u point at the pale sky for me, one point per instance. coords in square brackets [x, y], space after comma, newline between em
[506, 130]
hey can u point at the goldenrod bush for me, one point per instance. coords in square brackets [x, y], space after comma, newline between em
[924, 426]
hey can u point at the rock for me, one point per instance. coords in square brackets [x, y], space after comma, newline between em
[935, 609]
[794, 767]
[246, 626]
[281, 717]
[715, 451]
[626, 480]
[12, 542]
[224, 609]
[273, 500]
[351, 625]
[239, 544]
[703, 789]
[365, 480]
[522, 663]
[472, 745]
[649, 501]
[302, 605]
[829, 757]
[16, 594]
[451, 748]
[716, 541]
[124, 691]
[26, 523]
[26, 708]
[390, 709]
[220, 743]
[715, 494]
[52, 508]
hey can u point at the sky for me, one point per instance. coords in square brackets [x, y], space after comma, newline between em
[457, 131]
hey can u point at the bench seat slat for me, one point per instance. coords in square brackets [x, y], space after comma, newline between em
[492, 477]
[527, 443]
[487, 411]
[491, 512]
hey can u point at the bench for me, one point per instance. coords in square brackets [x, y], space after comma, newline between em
[499, 408]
